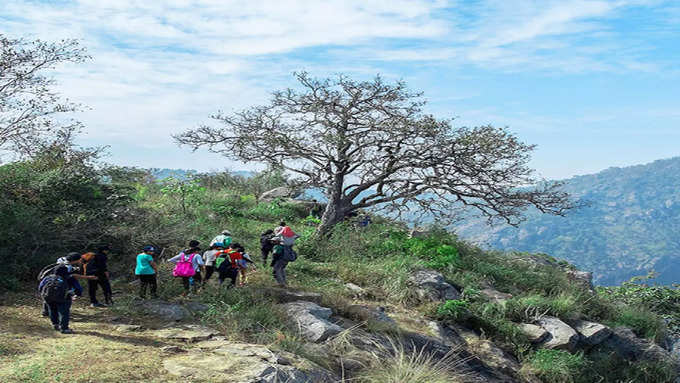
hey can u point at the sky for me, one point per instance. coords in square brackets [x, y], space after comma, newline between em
[593, 84]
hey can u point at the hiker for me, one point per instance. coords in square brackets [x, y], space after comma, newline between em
[266, 244]
[97, 266]
[58, 288]
[189, 265]
[244, 265]
[209, 257]
[146, 270]
[75, 274]
[224, 238]
[228, 264]
[283, 252]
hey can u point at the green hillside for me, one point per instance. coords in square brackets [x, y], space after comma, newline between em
[630, 226]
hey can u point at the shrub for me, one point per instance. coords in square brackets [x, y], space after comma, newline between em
[453, 309]
[643, 322]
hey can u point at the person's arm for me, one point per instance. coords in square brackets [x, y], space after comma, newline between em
[81, 276]
[78, 290]
[154, 266]
[199, 261]
[175, 259]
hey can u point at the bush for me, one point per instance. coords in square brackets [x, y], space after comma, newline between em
[453, 309]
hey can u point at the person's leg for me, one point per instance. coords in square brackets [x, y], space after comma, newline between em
[280, 271]
[92, 291]
[185, 282]
[54, 314]
[142, 285]
[265, 254]
[64, 314]
[233, 274]
[209, 270]
[198, 280]
[106, 288]
[154, 285]
[46, 310]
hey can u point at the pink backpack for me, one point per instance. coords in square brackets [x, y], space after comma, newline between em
[184, 267]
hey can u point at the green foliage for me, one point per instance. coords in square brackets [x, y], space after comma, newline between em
[608, 367]
[557, 366]
[453, 309]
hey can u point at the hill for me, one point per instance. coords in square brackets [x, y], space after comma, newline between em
[630, 226]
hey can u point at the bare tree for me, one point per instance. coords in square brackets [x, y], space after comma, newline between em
[369, 144]
[28, 105]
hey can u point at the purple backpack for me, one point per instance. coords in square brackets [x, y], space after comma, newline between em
[184, 267]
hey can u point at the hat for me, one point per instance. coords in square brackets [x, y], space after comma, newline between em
[149, 248]
[73, 256]
[226, 232]
[103, 248]
[193, 243]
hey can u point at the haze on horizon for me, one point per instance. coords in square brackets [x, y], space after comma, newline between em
[594, 84]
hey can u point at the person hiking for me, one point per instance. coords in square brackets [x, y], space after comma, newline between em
[209, 257]
[224, 238]
[58, 288]
[189, 265]
[75, 273]
[266, 245]
[146, 271]
[283, 252]
[229, 264]
[97, 266]
[243, 265]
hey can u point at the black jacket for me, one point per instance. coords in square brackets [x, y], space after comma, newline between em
[98, 264]
[266, 242]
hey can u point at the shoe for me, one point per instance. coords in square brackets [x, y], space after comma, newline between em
[97, 305]
[45, 314]
[67, 331]
[56, 327]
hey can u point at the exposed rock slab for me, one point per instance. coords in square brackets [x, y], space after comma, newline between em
[582, 278]
[627, 345]
[430, 285]
[495, 296]
[188, 333]
[562, 336]
[244, 363]
[165, 310]
[536, 334]
[592, 333]
[311, 320]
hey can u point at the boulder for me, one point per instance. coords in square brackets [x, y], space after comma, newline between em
[165, 310]
[627, 345]
[536, 334]
[358, 291]
[244, 363]
[311, 320]
[591, 333]
[495, 296]
[280, 192]
[494, 357]
[430, 285]
[562, 336]
[582, 278]
[445, 334]
[369, 313]
[188, 333]
[419, 233]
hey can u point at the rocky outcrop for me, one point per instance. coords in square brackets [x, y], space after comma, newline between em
[582, 278]
[430, 285]
[627, 345]
[495, 296]
[188, 333]
[419, 233]
[280, 192]
[536, 334]
[230, 362]
[591, 333]
[561, 335]
[311, 320]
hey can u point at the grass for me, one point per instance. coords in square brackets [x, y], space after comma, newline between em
[556, 366]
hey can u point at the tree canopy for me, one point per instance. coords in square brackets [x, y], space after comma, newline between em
[370, 144]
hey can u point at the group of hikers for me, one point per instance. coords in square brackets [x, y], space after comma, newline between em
[59, 283]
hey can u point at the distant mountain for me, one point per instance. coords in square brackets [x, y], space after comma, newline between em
[632, 225]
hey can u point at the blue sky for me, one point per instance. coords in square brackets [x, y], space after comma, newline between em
[593, 83]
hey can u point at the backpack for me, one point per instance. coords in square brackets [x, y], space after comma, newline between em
[53, 288]
[289, 254]
[184, 267]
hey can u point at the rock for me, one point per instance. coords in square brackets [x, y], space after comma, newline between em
[165, 310]
[172, 349]
[419, 233]
[286, 296]
[244, 363]
[368, 313]
[445, 334]
[591, 333]
[582, 278]
[561, 336]
[627, 345]
[128, 328]
[188, 333]
[311, 320]
[431, 286]
[355, 289]
[495, 296]
[536, 334]
[196, 307]
[280, 192]
[494, 357]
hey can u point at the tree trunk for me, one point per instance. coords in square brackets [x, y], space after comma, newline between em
[335, 212]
